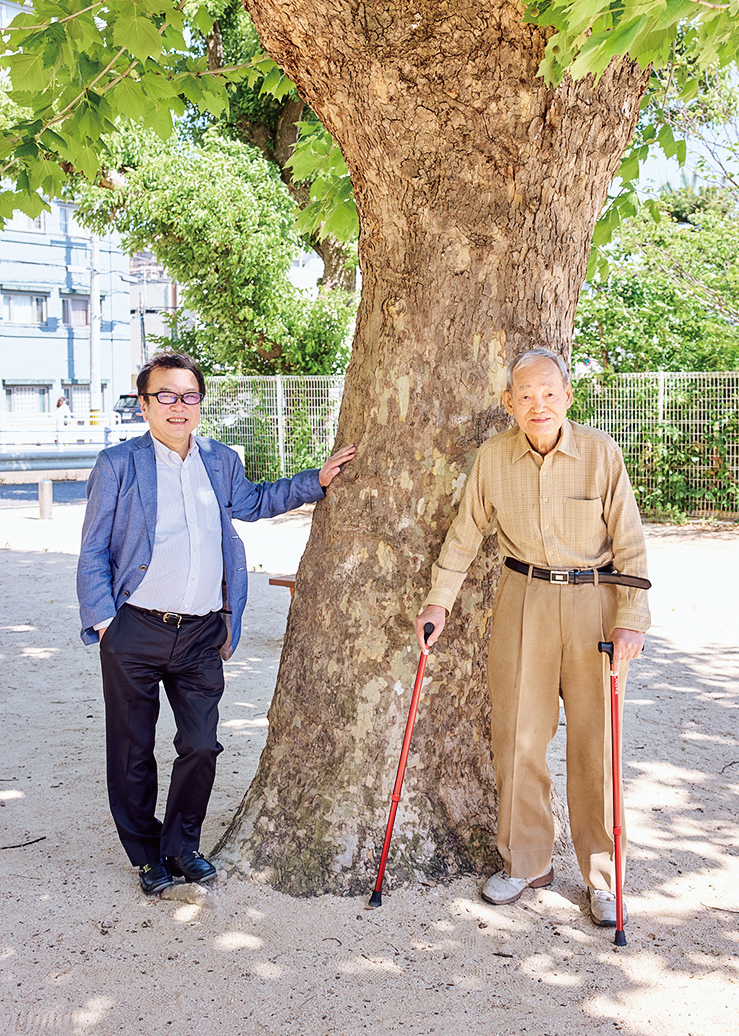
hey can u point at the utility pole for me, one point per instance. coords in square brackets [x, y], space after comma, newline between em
[142, 318]
[96, 401]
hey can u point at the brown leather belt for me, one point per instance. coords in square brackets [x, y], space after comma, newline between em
[578, 576]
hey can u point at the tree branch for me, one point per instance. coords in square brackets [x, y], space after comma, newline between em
[57, 21]
[711, 7]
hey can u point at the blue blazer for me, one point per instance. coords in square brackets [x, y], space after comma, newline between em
[120, 522]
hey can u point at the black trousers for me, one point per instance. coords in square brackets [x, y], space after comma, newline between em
[138, 651]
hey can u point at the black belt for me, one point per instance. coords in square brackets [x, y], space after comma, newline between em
[173, 618]
[577, 576]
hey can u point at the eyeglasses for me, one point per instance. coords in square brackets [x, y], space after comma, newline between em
[168, 398]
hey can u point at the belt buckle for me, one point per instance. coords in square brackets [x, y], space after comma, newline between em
[172, 615]
[557, 575]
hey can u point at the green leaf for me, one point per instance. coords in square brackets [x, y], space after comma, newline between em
[272, 80]
[666, 140]
[173, 39]
[209, 93]
[86, 161]
[138, 36]
[54, 181]
[654, 210]
[592, 265]
[159, 120]
[27, 150]
[597, 52]
[602, 232]
[28, 201]
[52, 140]
[202, 20]
[27, 72]
[189, 85]
[341, 222]
[128, 98]
[629, 168]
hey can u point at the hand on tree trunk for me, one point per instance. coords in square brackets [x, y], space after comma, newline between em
[332, 467]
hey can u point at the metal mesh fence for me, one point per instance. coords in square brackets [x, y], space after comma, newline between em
[285, 424]
[678, 433]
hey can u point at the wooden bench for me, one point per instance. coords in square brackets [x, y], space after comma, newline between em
[288, 581]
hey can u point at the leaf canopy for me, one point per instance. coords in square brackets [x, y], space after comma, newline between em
[76, 70]
[221, 222]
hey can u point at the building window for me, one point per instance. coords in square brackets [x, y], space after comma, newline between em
[79, 399]
[24, 309]
[76, 311]
[20, 221]
[28, 399]
[68, 220]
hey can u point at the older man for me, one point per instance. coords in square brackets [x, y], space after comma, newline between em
[569, 527]
[162, 587]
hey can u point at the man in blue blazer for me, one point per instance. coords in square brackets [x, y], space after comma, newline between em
[162, 586]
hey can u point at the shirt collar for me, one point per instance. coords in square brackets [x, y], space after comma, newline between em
[172, 456]
[566, 444]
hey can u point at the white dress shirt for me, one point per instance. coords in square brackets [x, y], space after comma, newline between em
[185, 574]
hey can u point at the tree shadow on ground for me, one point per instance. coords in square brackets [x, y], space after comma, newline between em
[82, 949]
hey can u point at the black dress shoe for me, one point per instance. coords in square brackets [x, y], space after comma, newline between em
[192, 866]
[155, 877]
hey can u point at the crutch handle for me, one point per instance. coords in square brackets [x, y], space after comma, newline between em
[606, 646]
[428, 629]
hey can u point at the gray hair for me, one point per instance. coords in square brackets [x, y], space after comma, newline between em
[531, 354]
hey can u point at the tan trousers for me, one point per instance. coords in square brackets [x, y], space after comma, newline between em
[543, 645]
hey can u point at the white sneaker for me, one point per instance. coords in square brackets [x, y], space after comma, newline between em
[603, 908]
[501, 888]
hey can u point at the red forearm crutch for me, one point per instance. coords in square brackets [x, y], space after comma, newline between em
[376, 897]
[607, 648]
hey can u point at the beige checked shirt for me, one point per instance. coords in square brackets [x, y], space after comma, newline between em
[573, 508]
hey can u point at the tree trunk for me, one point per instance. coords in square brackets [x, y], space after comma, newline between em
[338, 271]
[477, 189]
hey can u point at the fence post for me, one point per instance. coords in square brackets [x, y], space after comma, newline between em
[45, 498]
[281, 424]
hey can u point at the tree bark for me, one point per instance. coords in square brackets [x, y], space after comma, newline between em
[477, 189]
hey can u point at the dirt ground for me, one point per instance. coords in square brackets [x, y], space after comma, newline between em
[84, 953]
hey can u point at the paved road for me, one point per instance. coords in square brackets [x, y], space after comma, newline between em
[25, 494]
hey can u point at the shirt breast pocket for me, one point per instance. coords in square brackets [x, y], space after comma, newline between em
[212, 510]
[584, 530]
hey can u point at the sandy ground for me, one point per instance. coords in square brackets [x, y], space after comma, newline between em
[84, 952]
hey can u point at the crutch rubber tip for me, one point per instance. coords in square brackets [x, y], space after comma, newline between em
[375, 899]
[620, 939]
